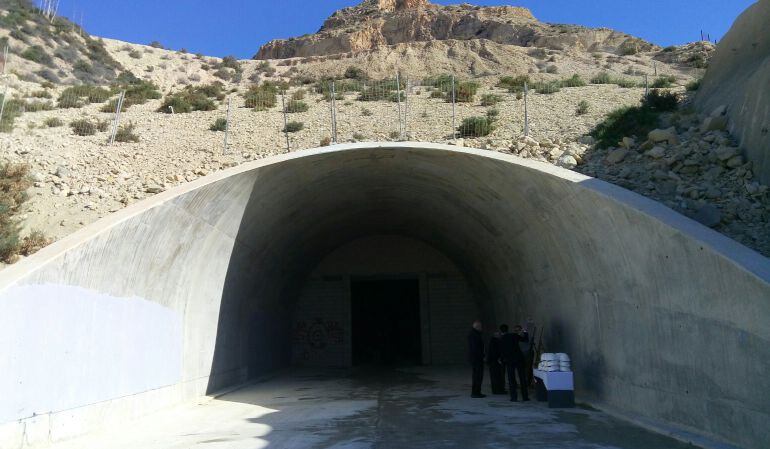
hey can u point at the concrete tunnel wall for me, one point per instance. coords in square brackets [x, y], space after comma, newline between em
[193, 289]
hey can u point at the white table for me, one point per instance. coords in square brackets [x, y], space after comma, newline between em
[559, 386]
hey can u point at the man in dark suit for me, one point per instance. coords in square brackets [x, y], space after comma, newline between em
[514, 359]
[476, 358]
[496, 369]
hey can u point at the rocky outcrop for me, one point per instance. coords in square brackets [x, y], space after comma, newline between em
[377, 23]
[738, 78]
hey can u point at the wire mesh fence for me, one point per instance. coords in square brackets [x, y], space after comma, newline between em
[291, 115]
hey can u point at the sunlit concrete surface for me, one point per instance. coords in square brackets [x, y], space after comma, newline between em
[425, 408]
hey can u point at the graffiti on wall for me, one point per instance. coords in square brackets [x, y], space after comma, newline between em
[315, 336]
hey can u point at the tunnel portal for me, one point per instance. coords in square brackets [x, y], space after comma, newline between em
[260, 267]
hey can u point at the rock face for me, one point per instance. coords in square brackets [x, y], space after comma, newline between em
[377, 23]
[738, 77]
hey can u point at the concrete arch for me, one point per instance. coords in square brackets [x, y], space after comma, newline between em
[665, 319]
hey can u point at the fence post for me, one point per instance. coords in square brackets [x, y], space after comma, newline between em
[116, 120]
[646, 86]
[5, 57]
[655, 67]
[285, 122]
[398, 100]
[2, 106]
[406, 107]
[454, 127]
[227, 122]
[526, 110]
[333, 104]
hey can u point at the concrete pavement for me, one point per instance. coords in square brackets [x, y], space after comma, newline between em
[408, 408]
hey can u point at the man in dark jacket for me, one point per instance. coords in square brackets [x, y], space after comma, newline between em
[476, 358]
[496, 370]
[514, 359]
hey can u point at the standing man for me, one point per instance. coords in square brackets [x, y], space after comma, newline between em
[514, 359]
[496, 375]
[528, 351]
[476, 358]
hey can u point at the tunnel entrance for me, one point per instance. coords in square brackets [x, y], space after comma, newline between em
[385, 322]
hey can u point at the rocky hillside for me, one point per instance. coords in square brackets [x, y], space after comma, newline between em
[56, 51]
[425, 39]
[377, 23]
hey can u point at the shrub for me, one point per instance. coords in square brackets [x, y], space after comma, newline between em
[261, 97]
[14, 182]
[126, 134]
[661, 100]
[299, 94]
[36, 53]
[83, 127]
[573, 81]
[33, 243]
[358, 137]
[53, 122]
[475, 127]
[629, 50]
[219, 124]
[48, 76]
[602, 78]
[663, 82]
[293, 127]
[493, 113]
[37, 106]
[231, 62]
[102, 125]
[698, 60]
[224, 74]
[634, 121]
[355, 73]
[136, 54]
[41, 94]
[295, 106]
[538, 53]
[582, 108]
[366, 112]
[693, 85]
[624, 82]
[266, 68]
[437, 94]
[552, 69]
[77, 96]
[13, 109]
[465, 91]
[547, 87]
[193, 98]
[326, 141]
[156, 44]
[514, 84]
[441, 82]
[394, 134]
[490, 99]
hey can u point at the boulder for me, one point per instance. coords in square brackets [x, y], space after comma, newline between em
[726, 153]
[656, 152]
[718, 123]
[567, 161]
[617, 156]
[664, 135]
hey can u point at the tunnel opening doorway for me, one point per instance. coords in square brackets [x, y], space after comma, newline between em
[385, 322]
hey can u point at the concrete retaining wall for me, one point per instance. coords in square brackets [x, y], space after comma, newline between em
[664, 318]
[738, 77]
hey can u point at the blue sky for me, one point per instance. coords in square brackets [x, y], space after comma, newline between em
[239, 27]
